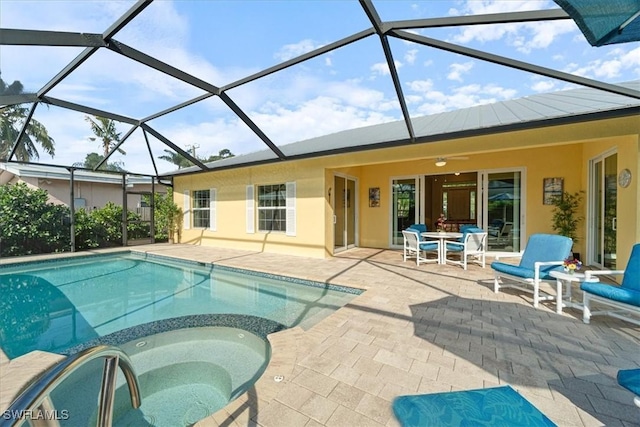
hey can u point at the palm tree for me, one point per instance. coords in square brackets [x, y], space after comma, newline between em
[181, 162]
[105, 130]
[11, 120]
[176, 159]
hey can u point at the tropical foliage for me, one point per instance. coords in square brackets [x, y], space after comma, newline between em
[105, 131]
[93, 160]
[181, 162]
[565, 214]
[29, 224]
[11, 121]
[168, 216]
[176, 159]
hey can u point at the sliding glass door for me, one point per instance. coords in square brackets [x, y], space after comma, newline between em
[344, 209]
[404, 209]
[503, 210]
[603, 196]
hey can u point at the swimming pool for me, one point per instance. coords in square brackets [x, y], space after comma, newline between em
[58, 305]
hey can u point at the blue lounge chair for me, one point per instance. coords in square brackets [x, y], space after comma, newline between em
[543, 253]
[630, 379]
[624, 298]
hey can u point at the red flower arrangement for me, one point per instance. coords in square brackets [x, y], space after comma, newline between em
[440, 222]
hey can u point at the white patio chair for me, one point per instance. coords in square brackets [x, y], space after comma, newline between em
[471, 247]
[413, 247]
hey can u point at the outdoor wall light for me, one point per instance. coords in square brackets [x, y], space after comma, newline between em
[440, 162]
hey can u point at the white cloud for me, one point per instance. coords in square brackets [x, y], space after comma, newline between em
[410, 56]
[524, 36]
[319, 116]
[382, 68]
[289, 51]
[436, 101]
[619, 60]
[420, 85]
[543, 86]
[457, 70]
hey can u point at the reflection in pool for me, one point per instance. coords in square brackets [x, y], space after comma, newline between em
[59, 304]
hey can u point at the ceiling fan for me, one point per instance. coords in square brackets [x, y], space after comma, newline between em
[441, 161]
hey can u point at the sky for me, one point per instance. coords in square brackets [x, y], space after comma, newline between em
[223, 41]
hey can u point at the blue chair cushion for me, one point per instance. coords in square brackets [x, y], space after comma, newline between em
[525, 273]
[544, 248]
[454, 248]
[469, 229]
[464, 228]
[630, 379]
[428, 246]
[420, 228]
[612, 292]
[631, 278]
[490, 407]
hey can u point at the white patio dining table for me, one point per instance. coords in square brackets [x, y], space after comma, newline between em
[442, 236]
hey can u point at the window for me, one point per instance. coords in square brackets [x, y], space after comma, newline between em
[201, 212]
[276, 206]
[272, 207]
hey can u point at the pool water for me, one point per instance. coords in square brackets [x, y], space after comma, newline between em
[184, 376]
[53, 306]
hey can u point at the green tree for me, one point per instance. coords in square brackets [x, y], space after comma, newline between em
[11, 120]
[93, 159]
[104, 130]
[222, 154]
[565, 214]
[167, 216]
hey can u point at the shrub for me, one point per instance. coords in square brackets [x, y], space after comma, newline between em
[29, 224]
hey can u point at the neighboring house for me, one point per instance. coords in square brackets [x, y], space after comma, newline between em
[489, 165]
[91, 189]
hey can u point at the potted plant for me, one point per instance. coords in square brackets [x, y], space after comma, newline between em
[565, 215]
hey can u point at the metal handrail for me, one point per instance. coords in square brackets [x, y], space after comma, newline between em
[36, 397]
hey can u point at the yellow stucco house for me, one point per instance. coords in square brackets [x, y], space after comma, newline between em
[497, 166]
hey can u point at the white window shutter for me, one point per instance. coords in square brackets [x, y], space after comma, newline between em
[291, 208]
[212, 209]
[250, 210]
[186, 211]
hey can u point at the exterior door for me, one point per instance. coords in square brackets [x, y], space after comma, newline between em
[344, 209]
[503, 207]
[603, 196]
[404, 209]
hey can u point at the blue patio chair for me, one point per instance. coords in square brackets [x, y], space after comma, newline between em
[413, 247]
[624, 298]
[472, 245]
[543, 253]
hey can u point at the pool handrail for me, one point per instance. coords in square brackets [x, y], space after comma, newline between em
[36, 397]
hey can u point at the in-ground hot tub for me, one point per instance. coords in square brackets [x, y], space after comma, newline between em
[185, 375]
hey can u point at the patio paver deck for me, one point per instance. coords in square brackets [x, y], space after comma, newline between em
[425, 329]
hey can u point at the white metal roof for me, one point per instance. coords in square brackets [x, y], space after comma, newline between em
[531, 111]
